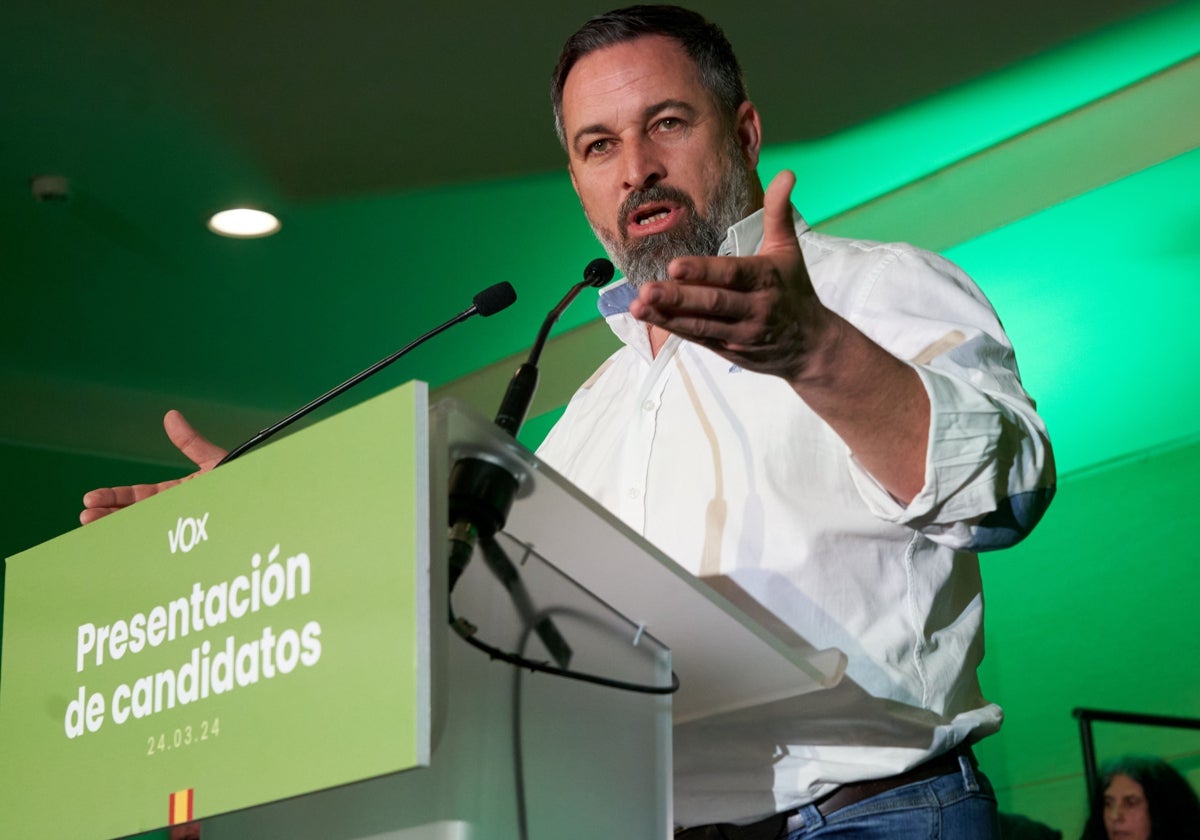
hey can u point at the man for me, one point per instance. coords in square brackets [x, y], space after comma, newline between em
[834, 427]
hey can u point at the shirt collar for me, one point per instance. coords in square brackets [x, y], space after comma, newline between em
[746, 236]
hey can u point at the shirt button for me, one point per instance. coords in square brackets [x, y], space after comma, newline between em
[633, 492]
[648, 405]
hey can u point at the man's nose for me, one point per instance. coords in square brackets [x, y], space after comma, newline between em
[644, 166]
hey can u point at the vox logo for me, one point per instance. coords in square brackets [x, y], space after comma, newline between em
[188, 533]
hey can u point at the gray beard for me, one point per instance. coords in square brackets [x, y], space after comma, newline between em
[645, 260]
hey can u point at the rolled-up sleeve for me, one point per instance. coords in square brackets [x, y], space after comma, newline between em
[989, 467]
[989, 471]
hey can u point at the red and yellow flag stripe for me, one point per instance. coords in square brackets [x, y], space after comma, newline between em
[181, 806]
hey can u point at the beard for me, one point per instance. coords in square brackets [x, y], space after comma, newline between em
[645, 259]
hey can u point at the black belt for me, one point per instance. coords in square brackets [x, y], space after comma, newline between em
[775, 826]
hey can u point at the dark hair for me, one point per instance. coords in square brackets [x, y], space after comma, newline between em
[1173, 805]
[704, 43]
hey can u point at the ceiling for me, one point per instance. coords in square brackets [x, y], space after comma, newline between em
[408, 149]
[330, 101]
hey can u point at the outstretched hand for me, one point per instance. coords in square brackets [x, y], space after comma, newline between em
[760, 312]
[198, 449]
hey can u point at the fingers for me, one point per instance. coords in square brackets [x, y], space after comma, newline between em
[119, 497]
[779, 238]
[714, 299]
[755, 310]
[706, 294]
[198, 449]
[723, 272]
[105, 500]
[720, 295]
[89, 515]
[716, 318]
[779, 231]
[721, 289]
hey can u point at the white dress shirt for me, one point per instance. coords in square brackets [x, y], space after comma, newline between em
[731, 474]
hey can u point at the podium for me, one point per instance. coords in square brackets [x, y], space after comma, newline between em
[417, 736]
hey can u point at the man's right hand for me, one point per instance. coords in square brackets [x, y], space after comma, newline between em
[198, 449]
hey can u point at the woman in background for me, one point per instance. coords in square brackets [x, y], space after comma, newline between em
[1142, 797]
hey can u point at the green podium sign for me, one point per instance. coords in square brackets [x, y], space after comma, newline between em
[257, 633]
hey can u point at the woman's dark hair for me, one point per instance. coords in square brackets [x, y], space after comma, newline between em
[1173, 805]
[704, 43]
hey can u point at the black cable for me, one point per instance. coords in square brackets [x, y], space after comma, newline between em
[518, 744]
[539, 623]
[466, 631]
[505, 572]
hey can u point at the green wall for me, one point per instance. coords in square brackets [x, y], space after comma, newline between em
[1097, 609]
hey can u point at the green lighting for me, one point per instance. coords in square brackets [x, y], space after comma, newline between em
[1099, 296]
[849, 168]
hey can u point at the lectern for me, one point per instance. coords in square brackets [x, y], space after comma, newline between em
[266, 649]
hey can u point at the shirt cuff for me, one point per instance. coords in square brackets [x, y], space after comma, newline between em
[964, 430]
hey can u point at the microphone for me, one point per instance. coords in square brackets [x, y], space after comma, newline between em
[491, 300]
[481, 493]
[519, 395]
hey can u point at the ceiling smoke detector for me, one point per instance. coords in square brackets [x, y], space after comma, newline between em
[48, 188]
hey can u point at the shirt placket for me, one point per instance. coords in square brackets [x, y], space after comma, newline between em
[643, 430]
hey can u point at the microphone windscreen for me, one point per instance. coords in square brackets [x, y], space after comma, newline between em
[494, 298]
[598, 272]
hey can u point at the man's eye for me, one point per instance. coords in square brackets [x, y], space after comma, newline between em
[670, 123]
[598, 147]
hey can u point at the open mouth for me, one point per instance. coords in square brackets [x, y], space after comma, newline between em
[652, 218]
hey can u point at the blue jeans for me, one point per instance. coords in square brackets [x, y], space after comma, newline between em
[957, 806]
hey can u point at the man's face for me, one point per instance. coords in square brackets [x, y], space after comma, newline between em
[658, 170]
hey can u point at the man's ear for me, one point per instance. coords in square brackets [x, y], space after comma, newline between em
[749, 132]
[571, 172]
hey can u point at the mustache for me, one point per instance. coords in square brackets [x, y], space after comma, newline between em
[656, 193]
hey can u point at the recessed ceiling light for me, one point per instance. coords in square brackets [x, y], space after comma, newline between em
[243, 223]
